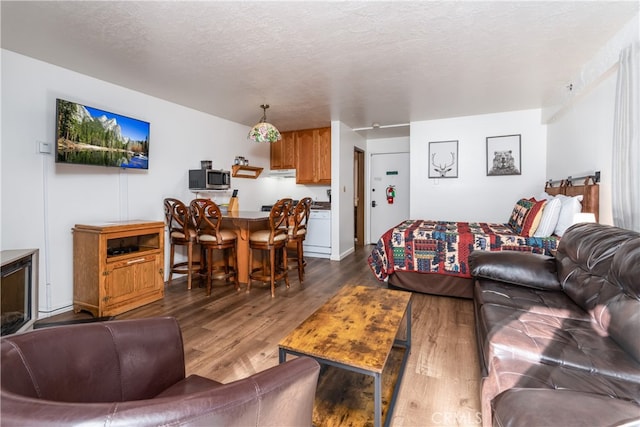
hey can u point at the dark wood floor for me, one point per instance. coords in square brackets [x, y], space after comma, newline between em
[230, 335]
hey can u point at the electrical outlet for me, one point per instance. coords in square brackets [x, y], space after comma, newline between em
[44, 147]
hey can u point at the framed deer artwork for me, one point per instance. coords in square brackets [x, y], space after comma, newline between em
[443, 159]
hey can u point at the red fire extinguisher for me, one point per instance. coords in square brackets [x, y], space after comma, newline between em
[391, 194]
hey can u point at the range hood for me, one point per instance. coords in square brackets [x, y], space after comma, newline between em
[282, 173]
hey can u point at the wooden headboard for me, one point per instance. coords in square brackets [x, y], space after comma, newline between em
[589, 190]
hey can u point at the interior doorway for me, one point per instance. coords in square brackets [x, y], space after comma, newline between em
[358, 196]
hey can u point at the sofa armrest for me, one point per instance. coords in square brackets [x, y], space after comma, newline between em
[280, 396]
[518, 268]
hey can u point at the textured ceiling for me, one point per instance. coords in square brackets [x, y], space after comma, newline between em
[313, 62]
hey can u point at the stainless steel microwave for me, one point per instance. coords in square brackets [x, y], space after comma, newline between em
[209, 179]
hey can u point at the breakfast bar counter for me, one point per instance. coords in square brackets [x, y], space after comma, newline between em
[243, 223]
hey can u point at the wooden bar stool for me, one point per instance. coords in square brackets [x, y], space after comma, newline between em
[207, 219]
[271, 240]
[298, 232]
[181, 233]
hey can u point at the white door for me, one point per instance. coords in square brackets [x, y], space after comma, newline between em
[389, 170]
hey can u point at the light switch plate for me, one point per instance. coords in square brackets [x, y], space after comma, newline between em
[44, 147]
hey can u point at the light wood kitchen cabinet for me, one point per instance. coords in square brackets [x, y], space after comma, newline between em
[284, 152]
[117, 266]
[313, 164]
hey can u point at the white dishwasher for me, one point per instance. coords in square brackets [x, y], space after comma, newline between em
[317, 243]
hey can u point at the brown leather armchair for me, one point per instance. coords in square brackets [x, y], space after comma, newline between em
[132, 372]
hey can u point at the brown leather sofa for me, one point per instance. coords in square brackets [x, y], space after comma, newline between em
[559, 337]
[132, 373]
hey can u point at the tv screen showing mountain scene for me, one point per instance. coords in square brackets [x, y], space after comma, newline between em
[89, 136]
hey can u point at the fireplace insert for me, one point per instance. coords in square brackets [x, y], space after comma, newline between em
[18, 290]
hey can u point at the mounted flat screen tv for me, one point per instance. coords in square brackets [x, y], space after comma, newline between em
[89, 136]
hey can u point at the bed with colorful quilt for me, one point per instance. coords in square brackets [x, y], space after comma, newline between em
[430, 256]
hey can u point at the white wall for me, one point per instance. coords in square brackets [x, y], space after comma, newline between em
[580, 131]
[474, 196]
[42, 200]
[343, 142]
[580, 142]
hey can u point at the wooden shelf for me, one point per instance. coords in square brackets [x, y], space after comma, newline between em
[241, 171]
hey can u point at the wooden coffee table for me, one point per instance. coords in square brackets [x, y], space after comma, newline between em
[356, 330]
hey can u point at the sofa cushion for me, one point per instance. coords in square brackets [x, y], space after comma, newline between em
[584, 258]
[542, 407]
[520, 268]
[505, 374]
[514, 373]
[622, 315]
[625, 268]
[552, 303]
[516, 334]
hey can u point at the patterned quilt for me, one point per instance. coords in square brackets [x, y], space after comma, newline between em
[444, 247]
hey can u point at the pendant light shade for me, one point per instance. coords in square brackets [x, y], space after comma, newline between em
[264, 131]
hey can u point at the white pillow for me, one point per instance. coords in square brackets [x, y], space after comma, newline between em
[570, 207]
[550, 216]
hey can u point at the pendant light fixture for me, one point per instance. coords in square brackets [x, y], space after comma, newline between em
[264, 131]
